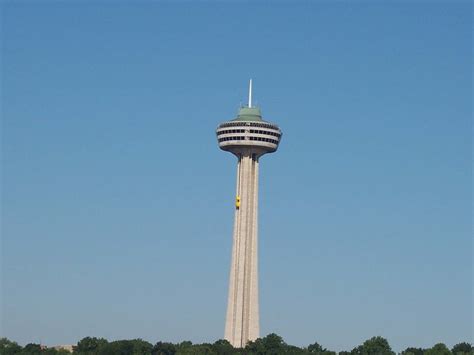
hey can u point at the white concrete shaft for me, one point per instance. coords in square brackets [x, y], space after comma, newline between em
[242, 322]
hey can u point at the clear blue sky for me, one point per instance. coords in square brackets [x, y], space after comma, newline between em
[117, 205]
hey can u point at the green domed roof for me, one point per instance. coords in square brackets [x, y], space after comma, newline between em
[249, 114]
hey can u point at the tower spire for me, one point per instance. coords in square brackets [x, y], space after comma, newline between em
[250, 93]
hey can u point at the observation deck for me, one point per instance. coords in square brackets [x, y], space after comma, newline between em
[248, 131]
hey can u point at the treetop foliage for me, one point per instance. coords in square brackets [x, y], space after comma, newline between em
[272, 344]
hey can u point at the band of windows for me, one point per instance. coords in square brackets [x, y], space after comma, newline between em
[251, 131]
[224, 139]
[231, 131]
[253, 124]
[260, 139]
[265, 132]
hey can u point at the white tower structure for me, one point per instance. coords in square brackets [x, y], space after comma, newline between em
[248, 137]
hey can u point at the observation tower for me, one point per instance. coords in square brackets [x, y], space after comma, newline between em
[248, 137]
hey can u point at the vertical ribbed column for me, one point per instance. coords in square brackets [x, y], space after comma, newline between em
[242, 322]
[254, 319]
[230, 316]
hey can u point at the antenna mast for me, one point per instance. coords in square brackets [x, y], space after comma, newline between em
[250, 93]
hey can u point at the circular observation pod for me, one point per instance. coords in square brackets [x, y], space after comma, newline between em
[248, 132]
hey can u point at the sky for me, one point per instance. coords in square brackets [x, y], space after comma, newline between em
[117, 204]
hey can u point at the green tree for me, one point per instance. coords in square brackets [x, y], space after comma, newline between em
[118, 347]
[255, 347]
[223, 347]
[52, 351]
[294, 350]
[197, 349]
[315, 348]
[141, 347]
[462, 349]
[162, 348]
[357, 350]
[32, 349]
[126, 347]
[8, 347]
[373, 346]
[272, 344]
[184, 344]
[438, 349]
[413, 351]
[187, 348]
[90, 345]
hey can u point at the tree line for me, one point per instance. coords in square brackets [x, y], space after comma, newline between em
[272, 344]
